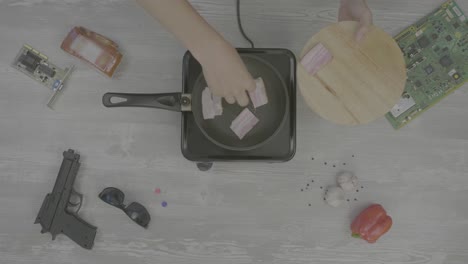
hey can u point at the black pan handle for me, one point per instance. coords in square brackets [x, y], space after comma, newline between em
[167, 101]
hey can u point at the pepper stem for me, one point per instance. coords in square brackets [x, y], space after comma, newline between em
[356, 235]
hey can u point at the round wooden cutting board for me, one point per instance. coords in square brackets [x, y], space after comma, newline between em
[362, 82]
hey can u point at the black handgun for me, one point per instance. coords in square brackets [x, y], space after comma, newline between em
[54, 215]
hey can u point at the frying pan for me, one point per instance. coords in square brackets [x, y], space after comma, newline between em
[272, 115]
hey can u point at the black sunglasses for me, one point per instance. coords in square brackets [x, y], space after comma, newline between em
[135, 211]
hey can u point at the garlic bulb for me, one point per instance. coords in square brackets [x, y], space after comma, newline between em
[334, 196]
[347, 181]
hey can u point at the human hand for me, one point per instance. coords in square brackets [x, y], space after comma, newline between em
[226, 74]
[356, 10]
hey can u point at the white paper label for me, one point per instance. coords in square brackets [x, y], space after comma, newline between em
[87, 49]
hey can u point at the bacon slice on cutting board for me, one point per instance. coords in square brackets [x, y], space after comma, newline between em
[244, 123]
[316, 58]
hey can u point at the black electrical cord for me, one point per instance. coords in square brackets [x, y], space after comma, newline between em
[239, 23]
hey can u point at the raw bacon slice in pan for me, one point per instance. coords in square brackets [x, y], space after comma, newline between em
[211, 105]
[244, 123]
[259, 96]
[217, 104]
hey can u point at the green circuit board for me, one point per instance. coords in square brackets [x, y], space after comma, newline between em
[436, 55]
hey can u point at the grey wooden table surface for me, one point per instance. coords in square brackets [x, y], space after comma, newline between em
[237, 212]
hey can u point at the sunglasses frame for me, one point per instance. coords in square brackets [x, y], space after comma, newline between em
[124, 207]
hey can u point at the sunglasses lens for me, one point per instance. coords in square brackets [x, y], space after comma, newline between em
[112, 196]
[138, 213]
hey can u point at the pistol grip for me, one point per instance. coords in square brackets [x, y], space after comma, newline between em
[78, 230]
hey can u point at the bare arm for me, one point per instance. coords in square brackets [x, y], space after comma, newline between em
[224, 71]
[179, 17]
[356, 10]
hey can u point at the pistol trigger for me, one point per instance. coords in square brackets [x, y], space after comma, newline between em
[80, 197]
[73, 204]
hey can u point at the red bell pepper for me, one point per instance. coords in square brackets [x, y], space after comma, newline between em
[371, 223]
